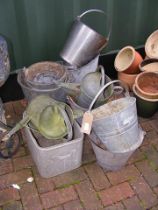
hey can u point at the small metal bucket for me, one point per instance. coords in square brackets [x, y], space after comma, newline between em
[83, 43]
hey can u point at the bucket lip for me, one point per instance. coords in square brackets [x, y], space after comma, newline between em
[117, 57]
[33, 67]
[23, 85]
[133, 101]
[127, 128]
[135, 123]
[114, 153]
[143, 98]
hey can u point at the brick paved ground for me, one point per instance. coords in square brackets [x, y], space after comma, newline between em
[134, 187]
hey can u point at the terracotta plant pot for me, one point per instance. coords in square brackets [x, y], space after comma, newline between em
[149, 65]
[145, 107]
[128, 79]
[151, 45]
[128, 60]
[147, 84]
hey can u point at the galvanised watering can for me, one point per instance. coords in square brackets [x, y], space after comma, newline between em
[51, 118]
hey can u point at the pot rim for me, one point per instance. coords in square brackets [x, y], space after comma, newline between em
[126, 74]
[120, 52]
[146, 62]
[137, 86]
[143, 98]
[147, 44]
[23, 85]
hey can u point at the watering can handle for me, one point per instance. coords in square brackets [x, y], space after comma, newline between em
[67, 122]
[103, 88]
[101, 68]
[99, 11]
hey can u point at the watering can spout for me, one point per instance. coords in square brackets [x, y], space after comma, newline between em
[16, 128]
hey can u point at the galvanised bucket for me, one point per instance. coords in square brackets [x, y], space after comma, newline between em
[84, 43]
[114, 116]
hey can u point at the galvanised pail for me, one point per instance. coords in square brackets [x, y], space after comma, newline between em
[84, 43]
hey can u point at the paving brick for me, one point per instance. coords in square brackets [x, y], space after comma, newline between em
[154, 124]
[151, 137]
[71, 177]
[151, 154]
[144, 192]
[19, 107]
[133, 204]
[8, 195]
[21, 152]
[58, 197]
[116, 193]
[117, 206]
[23, 162]
[137, 156]
[125, 174]
[97, 176]
[15, 205]
[154, 208]
[73, 205]
[88, 196]
[44, 185]
[10, 114]
[146, 126]
[88, 153]
[148, 172]
[57, 208]
[14, 178]
[5, 166]
[156, 190]
[29, 197]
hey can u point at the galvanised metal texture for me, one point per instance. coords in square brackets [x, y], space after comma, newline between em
[37, 29]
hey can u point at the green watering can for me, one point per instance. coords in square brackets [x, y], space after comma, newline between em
[51, 118]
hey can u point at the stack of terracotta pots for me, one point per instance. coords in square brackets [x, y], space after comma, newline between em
[146, 83]
[146, 91]
[127, 64]
[141, 75]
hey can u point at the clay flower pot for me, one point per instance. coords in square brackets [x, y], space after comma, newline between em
[145, 107]
[128, 79]
[147, 84]
[149, 65]
[151, 45]
[128, 60]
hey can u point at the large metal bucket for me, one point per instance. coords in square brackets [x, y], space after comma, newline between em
[115, 116]
[116, 123]
[83, 43]
[108, 160]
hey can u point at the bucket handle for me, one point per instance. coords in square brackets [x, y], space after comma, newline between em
[103, 88]
[99, 11]
[90, 10]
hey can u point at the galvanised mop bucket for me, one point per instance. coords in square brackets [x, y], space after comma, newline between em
[116, 119]
[84, 43]
[108, 160]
